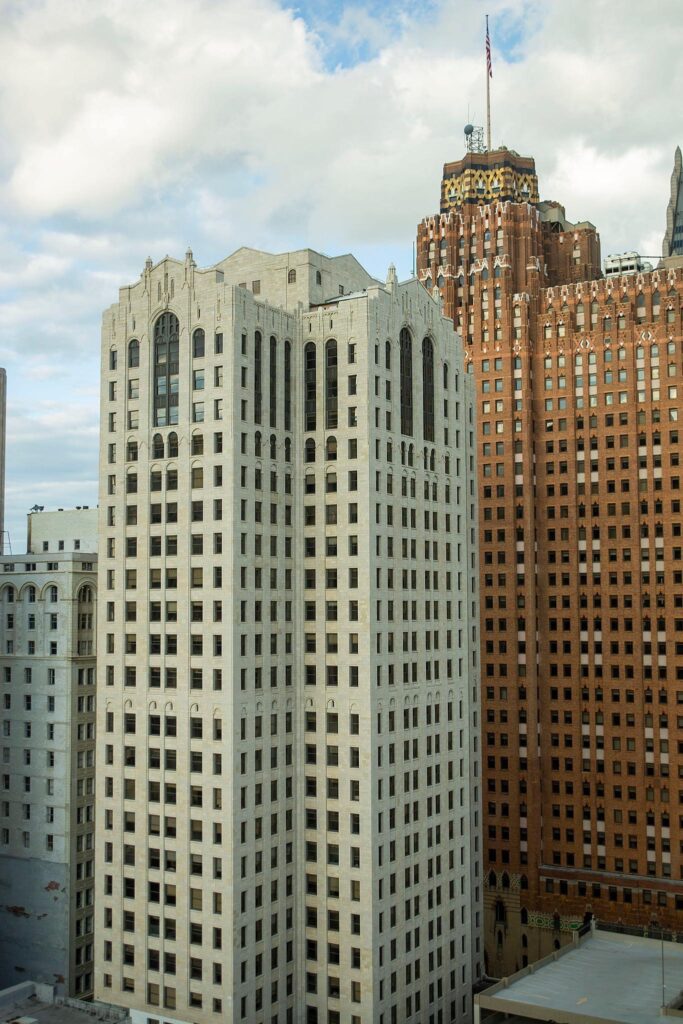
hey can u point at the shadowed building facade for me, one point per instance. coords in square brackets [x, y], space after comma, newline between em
[578, 395]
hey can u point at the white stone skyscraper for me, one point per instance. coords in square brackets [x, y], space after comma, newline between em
[288, 761]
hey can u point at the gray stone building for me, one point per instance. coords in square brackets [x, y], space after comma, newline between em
[288, 765]
[47, 755]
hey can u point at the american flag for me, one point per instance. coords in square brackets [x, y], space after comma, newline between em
[489, 67]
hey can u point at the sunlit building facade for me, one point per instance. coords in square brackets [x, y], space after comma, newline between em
[578, 399]
[288, 760]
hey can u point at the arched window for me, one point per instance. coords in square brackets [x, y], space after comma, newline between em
[198, 343]
[524, 915]
[173, 445]
[272, 382]
[166, 368]
[318, 277]
[257, 444]
[309, 387]
[273, 447]
[428, 389]
[53, 595]
[655, 305]
[309, 450]
[505, 880]
[258, 378]
[406, 346]
[331, 449]
[387, 355]
[134, 352]
[288, 385]
[492, 879]
[157, 447]
[31, 594]
[197, 444]
[288, 449]
[291, 277]
[501, 915]
[331, 384]
[524, 882]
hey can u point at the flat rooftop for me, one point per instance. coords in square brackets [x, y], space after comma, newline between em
[608, 977]
[34, 1009]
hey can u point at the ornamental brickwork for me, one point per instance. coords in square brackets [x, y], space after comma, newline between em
[578, 385]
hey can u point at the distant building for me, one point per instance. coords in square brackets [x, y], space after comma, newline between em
[71, 529]
[579, 385]
[47, 762]
[626, 263]
[288, 775]
[3, 427]
[673, 236]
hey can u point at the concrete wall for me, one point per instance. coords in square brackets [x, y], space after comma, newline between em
[34, 922]
[72, 529]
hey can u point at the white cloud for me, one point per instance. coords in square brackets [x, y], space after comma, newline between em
[131, 130]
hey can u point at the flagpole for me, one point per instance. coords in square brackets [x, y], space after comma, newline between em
[488, 87]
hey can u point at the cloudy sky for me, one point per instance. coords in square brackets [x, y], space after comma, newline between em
[134, 128]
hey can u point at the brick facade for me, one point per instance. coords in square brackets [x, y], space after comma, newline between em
[578, 385]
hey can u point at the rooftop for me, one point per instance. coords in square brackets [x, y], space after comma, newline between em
[35, 1003]
[46, 1013]
[607, 977]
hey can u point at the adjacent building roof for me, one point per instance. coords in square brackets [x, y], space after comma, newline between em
[607, 977]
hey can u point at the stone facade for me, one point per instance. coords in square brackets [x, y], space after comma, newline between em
[578, 386]
[47, 800]
[288, 760]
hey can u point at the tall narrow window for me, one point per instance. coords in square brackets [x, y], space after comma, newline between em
[157, 447]
[198, 343]
[428, 389]
[331, 384]
[288, 385]
[258, 375]
[272, 382]
[406, 346]
[309, 387]
[133, 352]
[166, 368]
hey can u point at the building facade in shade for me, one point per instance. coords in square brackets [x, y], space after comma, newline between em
[47, 785]
[288, 768]
[3, 425]
[578, 394]
[673, 236]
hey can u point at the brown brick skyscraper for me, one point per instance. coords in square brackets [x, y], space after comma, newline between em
[579, 388]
